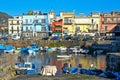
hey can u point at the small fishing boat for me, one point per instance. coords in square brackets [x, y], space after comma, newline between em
[63, 59]
[62, 49]
[25, 68]
[51, 49]
[33, 49]
[24, 50]
[9, 48]
[64, 56]
[2, 48]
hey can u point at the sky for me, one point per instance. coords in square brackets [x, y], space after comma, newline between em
[18, 7]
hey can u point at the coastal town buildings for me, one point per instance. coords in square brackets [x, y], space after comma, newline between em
[14, 25]
[87, 24]
[57, 26]
[51, 17]
[68, 22]
[35, 24]
[110, 23]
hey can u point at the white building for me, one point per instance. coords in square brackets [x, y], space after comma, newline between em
[14, 25]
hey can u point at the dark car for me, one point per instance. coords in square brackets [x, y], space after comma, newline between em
[3, 38]
[76, 38]
[87, 39]
[55, 38]
[68, 38]
[45, 38]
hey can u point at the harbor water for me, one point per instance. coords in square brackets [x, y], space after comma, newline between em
[43, 59]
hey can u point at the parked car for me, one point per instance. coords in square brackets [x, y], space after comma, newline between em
[45, 38]
[76, 38]
[3, 38]
[15, 37]
[87, 39]
[68, 38]
[55, 38]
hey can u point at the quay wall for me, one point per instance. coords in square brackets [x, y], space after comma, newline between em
[19, 43]
[7, 70]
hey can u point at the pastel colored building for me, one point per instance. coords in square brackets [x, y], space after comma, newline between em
[89, 23]
[68, 22]
[82, 24]
[14, 25]
[110, 23]
[35, 24]
[57, 27]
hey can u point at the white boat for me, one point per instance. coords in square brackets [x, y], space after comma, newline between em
[62, 49]
[63, 59]
[25, 68]
[64, 56]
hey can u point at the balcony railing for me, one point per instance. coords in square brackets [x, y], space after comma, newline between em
[39, 23]
[110, 22]
[14, 23]
[68, 23]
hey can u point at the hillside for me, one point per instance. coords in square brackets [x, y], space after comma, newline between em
[4, 19]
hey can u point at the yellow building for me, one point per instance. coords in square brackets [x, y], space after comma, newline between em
[68, 22]
[82, 23]
[87, 23]
[76, 24]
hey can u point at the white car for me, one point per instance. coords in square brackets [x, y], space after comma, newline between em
[15, 37]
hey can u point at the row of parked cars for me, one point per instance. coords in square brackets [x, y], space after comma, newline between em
[77, 38]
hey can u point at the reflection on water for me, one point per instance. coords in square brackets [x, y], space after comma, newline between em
[51, 59]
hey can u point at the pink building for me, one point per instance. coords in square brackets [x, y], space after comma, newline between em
[110, 23]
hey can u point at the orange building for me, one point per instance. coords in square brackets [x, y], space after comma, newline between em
[110, 23]
[57, 26]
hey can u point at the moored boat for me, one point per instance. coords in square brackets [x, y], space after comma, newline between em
[25, 68]
[64, 56]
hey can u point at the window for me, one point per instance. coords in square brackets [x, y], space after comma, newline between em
[26, 28]
[97, 27]
[117, 21]
[30, 28]
[17, 22]
[12, 29]
[68, 20]
[43, 29]
[11, 22]
[30, 20]
[105, 19]
[92, 21]
[18, 29]
[36, 21]
[42, 20]
[21, 28]
[77, 29]
[106, 28]
[26, 21]
[111, 20]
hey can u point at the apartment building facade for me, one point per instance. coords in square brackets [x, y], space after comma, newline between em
[110, 23]
[35, 24]
[14, 25]
[68, 22]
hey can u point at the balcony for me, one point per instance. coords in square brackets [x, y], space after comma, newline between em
[14, 23]
[58, 29]
[110, 22]
[58, 26]
[68, 23]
